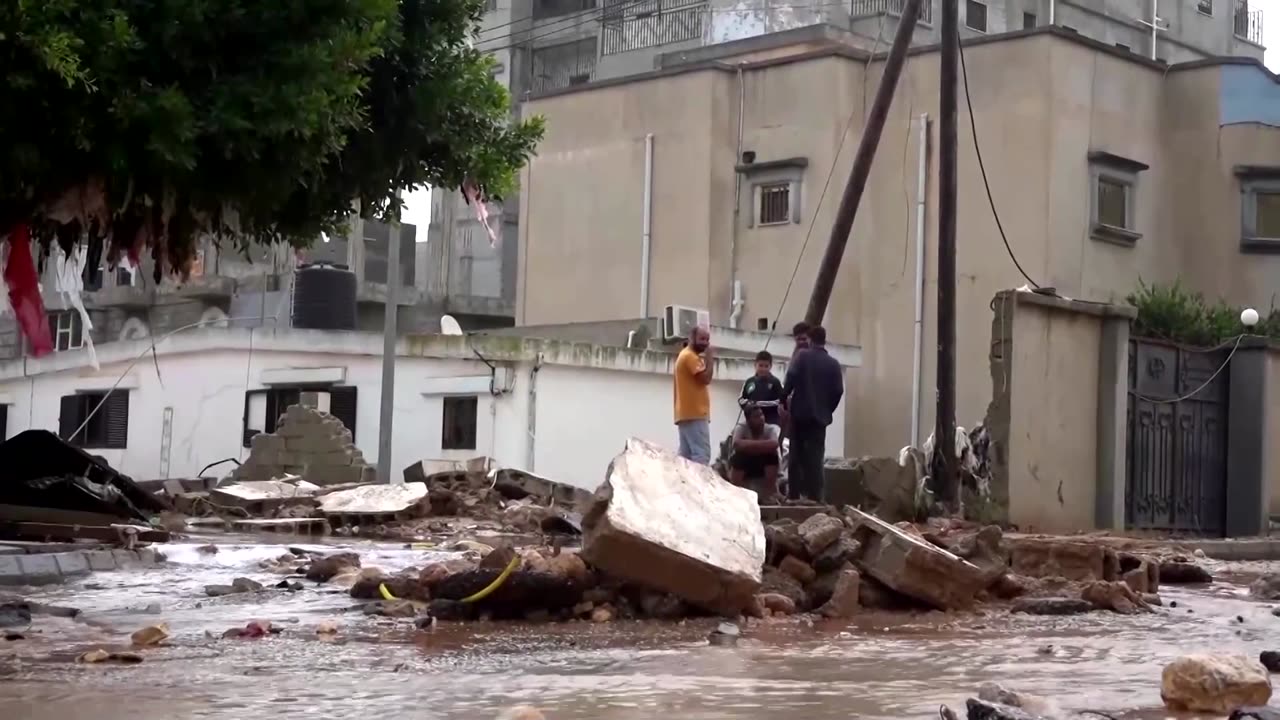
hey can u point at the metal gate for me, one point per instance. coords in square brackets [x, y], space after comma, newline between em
[1176, 462]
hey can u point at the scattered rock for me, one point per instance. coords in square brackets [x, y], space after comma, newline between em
[246, 585]
[323, 569]
[425, 622]
[726, 633]
[219, 590]
[913, 566]
[985, 710]
[777, 604]
[209, 549]
[602, 614]
[94, 656]
[818, 532]
[391, 608]
[254, 629]
[1214, 683]
[1052, 606]
[707, 547]
[1270, 660]
[14, 614]
[836, 555]
[1255, 713]
[1152, 599]
[1173, 572]
[150, 635]
[1039, 557]
[290, 585]
[498, 559]
[1115, 596]
[1009, 586]
[12, 636]
[844, 598]
[327, 627]
[797, 569]
[783, 539]
[449, 610]
[661, 606]
[1266, 587]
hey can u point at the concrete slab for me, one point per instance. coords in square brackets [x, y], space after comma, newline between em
[10, 570]
[101, 560]
[40, 569]
[373, 499]
[71, 564]
[913, 566]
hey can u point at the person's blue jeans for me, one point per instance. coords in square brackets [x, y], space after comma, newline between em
[695, 440]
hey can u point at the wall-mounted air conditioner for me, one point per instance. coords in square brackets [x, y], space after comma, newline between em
[678, 321]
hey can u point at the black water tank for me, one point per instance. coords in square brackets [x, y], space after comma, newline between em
[324, 297]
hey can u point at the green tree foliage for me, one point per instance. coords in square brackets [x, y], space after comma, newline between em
[1171, 312]
[144, 123]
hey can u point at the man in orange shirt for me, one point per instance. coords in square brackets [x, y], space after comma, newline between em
[693, 397]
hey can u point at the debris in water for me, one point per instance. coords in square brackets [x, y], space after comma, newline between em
[1214, 683]
[150, 635]
[255, 629]
[327, 627]
[726, 633]
[1270, 659]
[99, 656]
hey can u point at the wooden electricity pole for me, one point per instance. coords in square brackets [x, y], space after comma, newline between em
[944, 462]
[857, 182]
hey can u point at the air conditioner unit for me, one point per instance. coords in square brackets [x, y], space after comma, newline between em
[678, 321]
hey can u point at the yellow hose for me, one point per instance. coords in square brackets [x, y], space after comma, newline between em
[386, 594]
[497, 582]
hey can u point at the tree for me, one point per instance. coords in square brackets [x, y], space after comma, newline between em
[145, 123]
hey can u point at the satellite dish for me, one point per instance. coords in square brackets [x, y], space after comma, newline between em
[450, 326]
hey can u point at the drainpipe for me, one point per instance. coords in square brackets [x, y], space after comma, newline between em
[922, 173]
[646, 231]
[530, 453]
[737, 303]
[1053, 5]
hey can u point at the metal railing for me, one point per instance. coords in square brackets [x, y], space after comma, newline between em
[871, 8]
[1248, 23]
[559, 66]
[628, 26]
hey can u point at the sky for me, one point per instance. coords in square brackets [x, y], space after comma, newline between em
[418, 203]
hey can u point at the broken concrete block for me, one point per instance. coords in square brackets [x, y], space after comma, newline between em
[375, 499]
[819, 532]
[844, 598]
[1214, 683]
[265, 442]
[667, 524]
[1042, 557]
[334, 474]
[913, 566]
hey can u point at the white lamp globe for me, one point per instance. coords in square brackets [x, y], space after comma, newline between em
[1249, 317]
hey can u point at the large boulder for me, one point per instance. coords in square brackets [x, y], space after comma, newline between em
[668, 524]
[1214, 683]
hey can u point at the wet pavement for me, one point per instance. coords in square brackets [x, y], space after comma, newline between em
[881, 666]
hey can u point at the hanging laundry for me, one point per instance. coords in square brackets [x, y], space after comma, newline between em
[24, 291]
[475, 198]
[69, 282]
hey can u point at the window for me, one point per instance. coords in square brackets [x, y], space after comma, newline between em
[775, 203]
[458, 426]
[975, 15]
[107, 415]
[1028, 20]
[1123, 47]
[762, 324]
[67, 330]
[1260, 208]
[263, 408]
[1266, 205]
[1205, 7]
[1113, 181]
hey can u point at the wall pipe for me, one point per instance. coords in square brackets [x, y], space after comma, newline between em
[646, 236]
[922, 175]
[736, 301]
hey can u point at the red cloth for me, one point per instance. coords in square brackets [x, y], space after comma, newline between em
[24, 291]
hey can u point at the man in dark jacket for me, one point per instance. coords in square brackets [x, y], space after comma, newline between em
[813, 388]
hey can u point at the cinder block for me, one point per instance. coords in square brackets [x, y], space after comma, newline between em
[368, 474]
[40, 569]
[290, 457]
[101, 560]
[148, 556]
[125, 558]
[263, 441]
[72, 563]
[331, 474]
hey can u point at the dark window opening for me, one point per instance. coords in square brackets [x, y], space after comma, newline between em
[458, 426]
[67, 330]
[762, 324]
[1113, 203]
[264, 408]
[775, 204]
[1028, 20]
[975, 15]
[1267, 214]
[4, 422]
[107, 417]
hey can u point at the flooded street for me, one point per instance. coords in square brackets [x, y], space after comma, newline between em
[882, 666]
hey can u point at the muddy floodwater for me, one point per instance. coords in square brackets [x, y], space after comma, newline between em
[882, 666]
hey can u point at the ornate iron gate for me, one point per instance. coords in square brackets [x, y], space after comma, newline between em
[1177, 448]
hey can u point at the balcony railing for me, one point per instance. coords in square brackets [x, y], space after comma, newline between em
[628, 25]
[559, 66]
[872, 8]
[1248, 23]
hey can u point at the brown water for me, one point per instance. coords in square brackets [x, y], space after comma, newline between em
[884, 666]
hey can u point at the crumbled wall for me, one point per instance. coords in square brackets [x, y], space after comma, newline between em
[309, 443]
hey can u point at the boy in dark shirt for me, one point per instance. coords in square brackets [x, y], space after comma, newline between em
[763, 389]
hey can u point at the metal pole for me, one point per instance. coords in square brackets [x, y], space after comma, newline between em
[861, 165]
[389, 354]
[917, 345]
[944, 447]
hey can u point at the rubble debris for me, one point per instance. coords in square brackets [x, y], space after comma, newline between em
[726, 633]
[844, 597]
[14, 614]
[521, 712]
[1052, 606]
[254, 629]
[309, 443]
[238, 585]
[44, 471]
[1045, 557]
[777, 604]
[1175, 572]
[1115, 596]
[100, 656]
[819, 532]
[374, 499]
[324, 568]
[1263, 712]
[1266, 587]
[672, 525]
[327, 627]
[914, 567]
[984, 710]
[1214, 683]
[884, 486]
[150, 635]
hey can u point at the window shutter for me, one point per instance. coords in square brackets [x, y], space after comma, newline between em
[117, 420]
[247, 433]
[68, 417]
[342, 405]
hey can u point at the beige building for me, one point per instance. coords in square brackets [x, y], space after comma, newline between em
[1105, 168]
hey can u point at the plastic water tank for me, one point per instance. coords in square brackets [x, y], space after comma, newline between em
[324, 297]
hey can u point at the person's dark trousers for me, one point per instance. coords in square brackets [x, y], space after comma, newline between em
[805, 463]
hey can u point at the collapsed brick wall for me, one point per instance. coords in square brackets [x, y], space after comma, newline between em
[307, 442]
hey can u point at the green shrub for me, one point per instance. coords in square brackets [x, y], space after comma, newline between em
[1179, 315]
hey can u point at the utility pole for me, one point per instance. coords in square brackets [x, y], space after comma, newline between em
[861, 169]
[389, 337]
[944, 461]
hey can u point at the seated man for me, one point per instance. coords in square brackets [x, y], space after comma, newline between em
[754, 464]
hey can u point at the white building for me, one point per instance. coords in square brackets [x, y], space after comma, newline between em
[557, 408]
